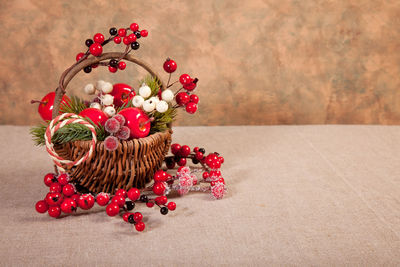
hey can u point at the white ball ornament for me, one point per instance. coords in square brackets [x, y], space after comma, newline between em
[89, 89]
[106, 87]
[149, 105]
[162, 106]
[110, 111]
[95, 105]
[137, 101]
[107, 100]
[155, 99]
[145, 91]
[99, 84]
[167, 95]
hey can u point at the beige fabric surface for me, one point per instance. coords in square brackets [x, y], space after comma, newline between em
[298, 195]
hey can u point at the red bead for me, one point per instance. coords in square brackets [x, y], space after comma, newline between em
[221, 159]
[126, 41]
[75, 197]
[121, 65]
[191, 108]
[54, 211]
[112, 69]
[190, 86]
[41, 206]
[215, 173]
[112, 209]
[185, 79]
[221, 180]
[131, 38]
[199, 155]
[194, 99]
[170, 65]
[171, 205]
[79, 56]
[86, 201]
[126, 215]
[182, 162]
[63, 179]
[96, 49]
[134, 27]
[140, 226]
[133, 194]
[49, 179]
[206, 175]
[117, 39]
[53, 199]
[159, 188]
[175, 148]
[122, 32]
[98, 38]
[55, 188]
[160, 176]
[137, 217]
[161, 200]
[68, 206]
[68, 190]
[102, 199]
[184, 151]
[121, 192]
[144, 33]
[150, 204]
[119, 200]
[196, 149]
[182, 98]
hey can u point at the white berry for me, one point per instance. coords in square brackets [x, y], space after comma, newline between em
[107, 100]
[155, 99]
[137, 101]
[149, 105]
[162, 106]
[110, 111]
[145, 91]
[89, 89]
[167, 95]
[106, 87]
[99, 84]
[95, 105]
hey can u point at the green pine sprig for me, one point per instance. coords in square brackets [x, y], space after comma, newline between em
[76, 105]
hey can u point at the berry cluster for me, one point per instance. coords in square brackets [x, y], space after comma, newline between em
[115, 127]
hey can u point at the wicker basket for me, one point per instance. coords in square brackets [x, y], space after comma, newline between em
[134, 162]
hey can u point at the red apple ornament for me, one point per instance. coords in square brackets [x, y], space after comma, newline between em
[137, 121]
[95, 115]
[122, 93]
[45, 108]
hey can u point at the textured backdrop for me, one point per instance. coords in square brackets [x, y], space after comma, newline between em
[259, 62]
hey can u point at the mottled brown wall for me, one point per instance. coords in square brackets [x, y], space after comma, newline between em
[259, 62]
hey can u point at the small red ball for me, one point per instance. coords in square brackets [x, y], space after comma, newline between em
[121, 65]
[184, 151]
[126, 215]
[112, 69]
[182, 162]
[55, 188]
[41, 206]
[191, 108]
[199, 155]
[206, 175]
[185, 79]
[190, 86]
[134, 27]
[196, 149]
[86, 201]
[79, 56]
[121, 192]
[194, 98]
[170, 66]
[75, 197]
[49, 179]
[160, 176]
[150, 204]
[159, 188]
[175, 148]
[140, 226]
[221, 159]
[133, 194]
[54, 211]
[98, 38]
[126, 41]
[63, 179]
[53, 199]
[122, 32]
[144, 33]
[161, 200]
[117, 39]
[102, 199]
[131, 38]
[112, 209]
[182, 98]
[171, 205]
[215, 173]
[119, 200]
[96, 49]
[68, 190]
[138, 217]
[68, 206]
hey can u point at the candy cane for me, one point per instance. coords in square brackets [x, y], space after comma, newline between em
[59, 122]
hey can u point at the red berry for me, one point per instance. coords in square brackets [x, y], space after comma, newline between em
[182, 162]
[55, 188]
[41, 206]
[184, 151]
[138, 217]
[159, 188]
[194, 99]
[175, 148]
[161, 200]
[134, 27]
[215, 173]
[196, 149]
[121, 65]
[170, 65]
[160, 176]
[102, 199]
[86, 201]
[112, 209]
[68, 190]
[221, 180]
[126, 215]
[75, 197]
[131, 38]
[221, 159]
[190, 86]
[140, 226]
[121, 192]
[150, 204]
[133, 194]
[126, 41]
[96, 49]
[49, 179]
[98, 38]
[199, 155]
[191, 108]
[112, 69]
[54, 211]
[68, 205]
[63, 179]
[144, 33]
[117, 39]
[122, 32]
[185, 79]
[206, 175]
[53, 199]
[79, 56]
[171, 205]
[182, 98]
[119, 200]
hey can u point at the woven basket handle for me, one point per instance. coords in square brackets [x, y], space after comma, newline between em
[71, 72]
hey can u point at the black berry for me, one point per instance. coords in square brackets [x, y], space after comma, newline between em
[137, 33]
[114, 63]
[135, 45]
[87, 69]
[144, 198]
[88, 42]
[113, 31]
[202, 150]
[130, 219]
[130, 205]
[164, 210]
[195, 161]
